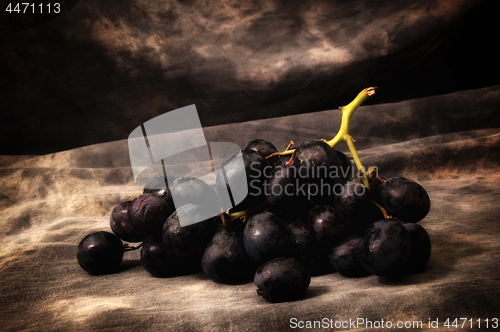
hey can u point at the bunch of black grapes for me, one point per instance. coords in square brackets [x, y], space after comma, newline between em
[305, 214]
[167, 249]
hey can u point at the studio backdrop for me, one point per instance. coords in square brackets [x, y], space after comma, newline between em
[75, 84]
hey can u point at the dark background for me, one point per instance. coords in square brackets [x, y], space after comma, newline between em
[95, 73]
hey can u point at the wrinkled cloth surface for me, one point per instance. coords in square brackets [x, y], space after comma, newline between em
[450, 144]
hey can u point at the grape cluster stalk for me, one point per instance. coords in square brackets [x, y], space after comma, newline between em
[343, 133]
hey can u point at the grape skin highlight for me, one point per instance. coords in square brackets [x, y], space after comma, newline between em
[404, 199]
[282, 279]
[385, 248]
[100, 253]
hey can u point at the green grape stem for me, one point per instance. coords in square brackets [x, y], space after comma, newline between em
[242, 214]
[343, 133]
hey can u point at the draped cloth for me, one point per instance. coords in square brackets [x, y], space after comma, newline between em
[50, 202]
[73, 88]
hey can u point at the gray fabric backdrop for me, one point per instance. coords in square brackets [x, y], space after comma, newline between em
[73, 88]
[49, 203]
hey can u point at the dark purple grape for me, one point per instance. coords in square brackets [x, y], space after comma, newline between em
[122, 226]
[280, 189]
[319, 165]
[159, 187]
[265, 237]
[192, 238]
[328, 224]
[385, 248]
[315, 153]
[353, 201]
[261, 146]
[371, 214]
[346, 258]
[282, 279]
[316, 160]
[225, 259]
[305, 247]
[245, 194]
[283, 160]
[347, 170]
[149, 212]
[297, 210]
[375, 182]
[404, 199]
[420, 248]
[255, 169]
[100, 253]
[303, 243]
[189, 190]
[161, 263]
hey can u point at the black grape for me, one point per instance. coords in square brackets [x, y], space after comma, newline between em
[100, 253]
[375, 182]
[281, 189]
[159, 262]
[315, 153]
[328, 224]
[420, 248]
[303, 243]
[319, 165]
[371, 214]
[305, 247]
[385, 248]
[297, 210]
[346, 168]
[315, 160]
[122, 226]
[282, 279]
[261, 146]
[148, 213]
[353, 201]
[194, 236]
[159, 187]
[282, 160]
[189, 190]
[346, 258]
[404, 199]
[253, 170]
[265, 237]
[225, 259]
